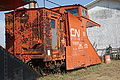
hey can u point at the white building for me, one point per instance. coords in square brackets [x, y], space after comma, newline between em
[107, 14]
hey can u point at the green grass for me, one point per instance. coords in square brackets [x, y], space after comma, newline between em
[97, 72]
[76, 74]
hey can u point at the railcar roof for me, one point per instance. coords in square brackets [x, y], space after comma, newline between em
[22, 9]
[70, 6]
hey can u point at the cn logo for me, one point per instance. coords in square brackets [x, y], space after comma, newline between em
[74, 32]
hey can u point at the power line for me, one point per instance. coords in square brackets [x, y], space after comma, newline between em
[53, 2]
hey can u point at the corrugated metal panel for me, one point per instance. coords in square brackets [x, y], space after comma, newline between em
[14, 69]
[2, 64]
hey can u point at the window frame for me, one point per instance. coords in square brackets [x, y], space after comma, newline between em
[84, 12]
[75, 14]
[53, 24]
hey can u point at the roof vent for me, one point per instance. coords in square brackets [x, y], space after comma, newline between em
[77, 4]
[32, 4]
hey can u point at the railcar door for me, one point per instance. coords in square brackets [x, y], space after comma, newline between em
[54, 34]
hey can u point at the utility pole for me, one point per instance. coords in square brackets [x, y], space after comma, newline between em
[44, 3]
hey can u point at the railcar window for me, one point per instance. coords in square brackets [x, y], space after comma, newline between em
[57, 10]
[52, 23]
[73, 11]
[84, 12]
[60, 24]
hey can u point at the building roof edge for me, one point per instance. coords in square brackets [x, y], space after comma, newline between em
[91, 3]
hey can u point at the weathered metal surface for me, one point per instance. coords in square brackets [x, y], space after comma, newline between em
[2, 63]
[36, 36]
[79, 51]
[32, 35]
[13, 69]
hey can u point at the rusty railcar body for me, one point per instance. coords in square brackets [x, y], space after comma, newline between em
[51, 37]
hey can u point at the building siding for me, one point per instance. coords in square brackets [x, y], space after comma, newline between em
[107, 14]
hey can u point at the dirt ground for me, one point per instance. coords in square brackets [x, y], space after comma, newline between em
[98, 72]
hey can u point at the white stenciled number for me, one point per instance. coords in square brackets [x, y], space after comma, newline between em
[80, 46]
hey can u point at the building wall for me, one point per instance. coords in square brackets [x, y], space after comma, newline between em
[2, 33]
[107, 14]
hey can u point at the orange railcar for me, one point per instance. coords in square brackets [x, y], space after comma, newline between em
[51, 37]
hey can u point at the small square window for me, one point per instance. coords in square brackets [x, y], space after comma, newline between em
[84, 12]
[52, 23]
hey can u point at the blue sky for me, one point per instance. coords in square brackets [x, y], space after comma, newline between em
[40, 2]
[64, 2]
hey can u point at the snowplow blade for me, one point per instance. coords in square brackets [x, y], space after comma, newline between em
[79, 51]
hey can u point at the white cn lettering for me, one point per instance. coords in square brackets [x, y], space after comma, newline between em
[75, 32]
